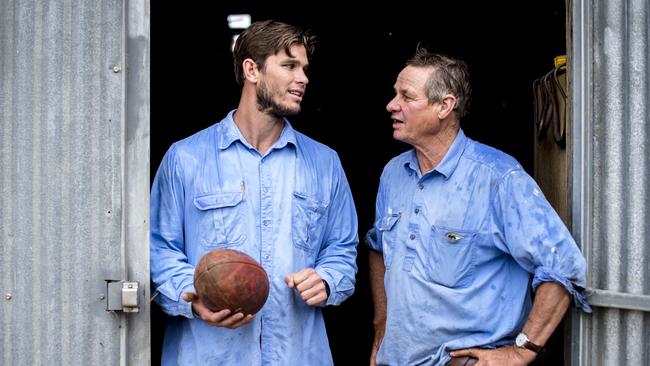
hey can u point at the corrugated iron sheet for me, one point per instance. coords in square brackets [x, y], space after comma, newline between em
[61, 158]
[613, 69]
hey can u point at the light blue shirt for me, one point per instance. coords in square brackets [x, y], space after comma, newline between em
[289, 209]
[460, 244]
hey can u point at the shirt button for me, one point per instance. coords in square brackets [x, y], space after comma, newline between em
[412, 236]
[417, 211]
[421, 186]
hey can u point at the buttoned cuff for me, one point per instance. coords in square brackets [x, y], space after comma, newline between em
[338, 290]
[172, 302]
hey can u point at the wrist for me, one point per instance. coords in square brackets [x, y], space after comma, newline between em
[194, 313]
[327, 289]
[522, 342]
[525, 354]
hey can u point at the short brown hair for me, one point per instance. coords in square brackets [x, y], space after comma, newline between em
[449, 76]
[266, 38]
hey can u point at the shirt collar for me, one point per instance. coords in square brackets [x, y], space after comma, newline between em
[231, 133]
[449, 163]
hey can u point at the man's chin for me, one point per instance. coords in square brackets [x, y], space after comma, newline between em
[287, 112]
[293, 112]
[398, 136]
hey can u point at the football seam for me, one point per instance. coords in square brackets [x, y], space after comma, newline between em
[234, 262]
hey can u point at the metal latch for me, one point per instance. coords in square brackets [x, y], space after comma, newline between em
[122, 296]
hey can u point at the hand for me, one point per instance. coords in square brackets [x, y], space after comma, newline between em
[379, 336]
[310, 286]
[502, 356]
[221, 318]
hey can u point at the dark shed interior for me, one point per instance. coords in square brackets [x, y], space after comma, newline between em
[360, 51]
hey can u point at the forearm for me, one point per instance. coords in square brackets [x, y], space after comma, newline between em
[171, 275]
[377, 270]
[337, 265]
[550, 305]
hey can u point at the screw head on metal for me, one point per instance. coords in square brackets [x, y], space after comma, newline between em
[8, 296]
[116, 69]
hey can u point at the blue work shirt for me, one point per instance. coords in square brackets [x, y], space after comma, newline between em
[459, 245]
[289, 209]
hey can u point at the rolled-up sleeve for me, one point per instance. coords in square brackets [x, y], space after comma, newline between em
[537, 238]
[170, 271]
[373, 236]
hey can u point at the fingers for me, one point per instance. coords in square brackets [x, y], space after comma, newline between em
[294, 279]
[289, 280]
[188, 296]
[310, 286]
[224, 319]
[314, 298]
[472, 352]
[375, 349]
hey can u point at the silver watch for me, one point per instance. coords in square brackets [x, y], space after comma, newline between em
[522, 341]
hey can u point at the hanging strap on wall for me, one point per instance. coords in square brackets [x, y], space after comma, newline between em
[550, 98]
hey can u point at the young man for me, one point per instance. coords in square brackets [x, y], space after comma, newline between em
[459, 230]
[253, 183]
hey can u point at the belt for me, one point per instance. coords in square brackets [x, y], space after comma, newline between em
[462, 361]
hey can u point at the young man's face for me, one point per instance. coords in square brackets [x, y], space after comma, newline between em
[282, 82]
[415, 121]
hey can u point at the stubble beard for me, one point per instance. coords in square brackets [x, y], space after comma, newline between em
[266, 104]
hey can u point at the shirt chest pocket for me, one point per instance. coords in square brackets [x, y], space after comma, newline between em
[222, 219]
[452, 256]
[387, 228]
[307, 221]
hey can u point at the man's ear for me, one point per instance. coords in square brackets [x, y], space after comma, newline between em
[447, 106]
[251, 72]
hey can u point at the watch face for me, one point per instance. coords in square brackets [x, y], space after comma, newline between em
[521, 340]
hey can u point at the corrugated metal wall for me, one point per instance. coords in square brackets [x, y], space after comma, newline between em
[612, 176]
[63, 147]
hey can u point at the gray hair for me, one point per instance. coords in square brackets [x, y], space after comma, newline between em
[448, 76]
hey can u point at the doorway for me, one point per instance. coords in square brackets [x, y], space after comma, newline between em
[351, 79]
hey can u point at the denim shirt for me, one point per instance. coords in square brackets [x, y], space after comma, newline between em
[460, 244]
[289, 209]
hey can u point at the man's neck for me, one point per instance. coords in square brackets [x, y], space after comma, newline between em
[431, 153]
[261, 130]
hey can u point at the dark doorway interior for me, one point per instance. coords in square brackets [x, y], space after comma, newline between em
[506, 45]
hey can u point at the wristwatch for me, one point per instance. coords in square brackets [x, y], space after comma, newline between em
[522, 341]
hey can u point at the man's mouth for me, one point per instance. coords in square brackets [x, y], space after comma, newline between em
[297, 92]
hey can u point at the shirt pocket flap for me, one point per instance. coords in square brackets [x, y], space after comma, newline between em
[310, 202]
[218, 200]
[387, 222]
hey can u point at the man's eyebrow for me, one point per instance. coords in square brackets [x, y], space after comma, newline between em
[403, 90]
[293, 61]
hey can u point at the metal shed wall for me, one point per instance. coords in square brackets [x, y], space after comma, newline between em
[74, 129]
[611, 71]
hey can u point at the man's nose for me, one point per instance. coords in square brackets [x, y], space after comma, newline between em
[392, 106]
[301, 77]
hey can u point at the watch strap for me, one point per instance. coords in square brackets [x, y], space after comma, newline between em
[533, 347]
[523, 341]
